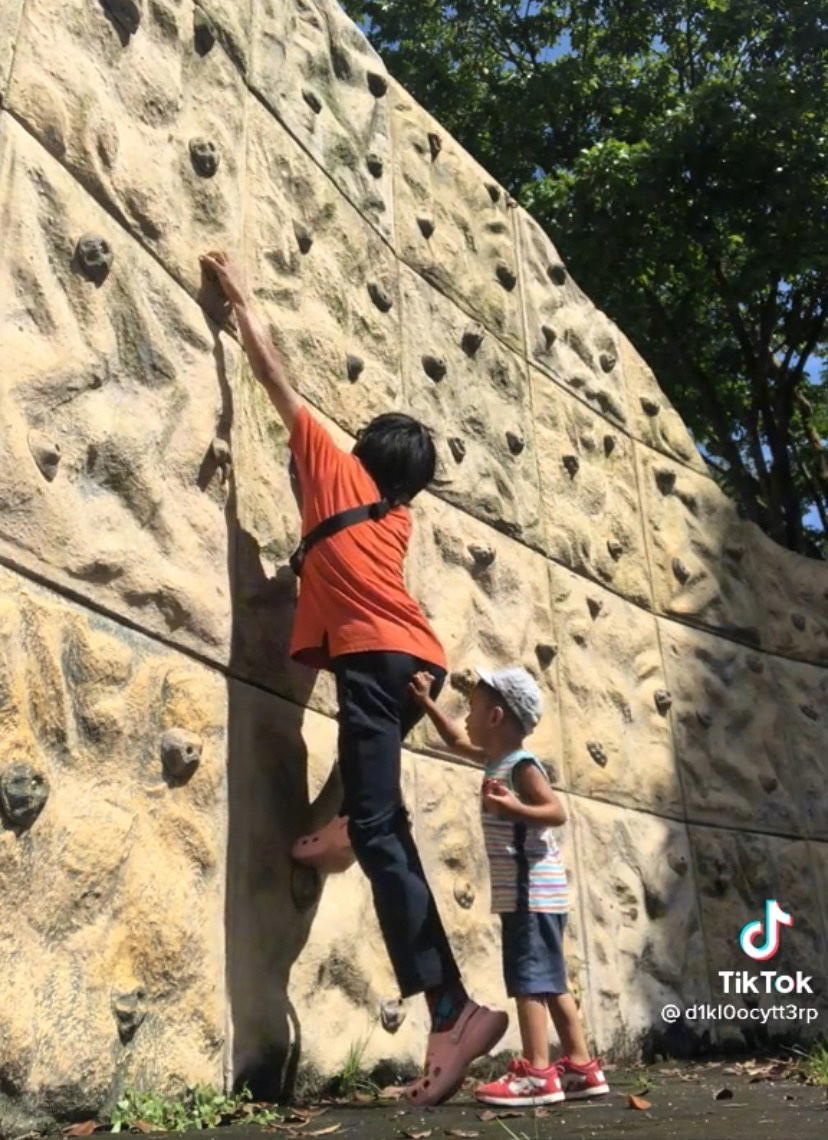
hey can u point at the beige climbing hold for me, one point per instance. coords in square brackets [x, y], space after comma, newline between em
[46, 454]
[180, 754]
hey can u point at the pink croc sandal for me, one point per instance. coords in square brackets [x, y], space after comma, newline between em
[450, 1052]
[327, 850]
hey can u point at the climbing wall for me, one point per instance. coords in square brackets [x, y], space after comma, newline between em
[160, 754]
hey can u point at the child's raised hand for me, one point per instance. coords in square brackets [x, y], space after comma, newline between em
[497, 799]
[228, 275]
[420, 686]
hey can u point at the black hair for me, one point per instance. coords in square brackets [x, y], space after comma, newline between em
[399, 455]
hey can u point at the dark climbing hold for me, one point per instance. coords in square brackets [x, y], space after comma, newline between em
[355, 366]
[650, 406]
[434, 367]
[46, 454]
[549, 336]
[379, 296]
[680, 571]
[571, 463]
[23, 792]
[615, 549]
[597, 753]
[506, 277]
[609, 445]
[392, 1014]
[663, 701]
[769, 783]
[545, 654]
[435, 145]
[94, 257]
[463, 681]
[516, 443]
[594, 605]
[130, 1011]
[204, 157]
[374, 164]
[809, 712]
[457, 449]
[304, 238]
[482, 556]
[556, 274]
[607, 361]
[494, 191]
[377, 84]
[312, 100]
[704, 718]
[204, 34]
[464, 894]
[755, 663]
[472, 339]
[677, 863]
[125, 13]
[426, 227]
[180, 754]
[798, 621]
[665, 481]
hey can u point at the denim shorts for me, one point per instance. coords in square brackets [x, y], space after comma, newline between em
[533, 960]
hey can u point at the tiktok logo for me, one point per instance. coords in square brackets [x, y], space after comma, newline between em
[752, 932]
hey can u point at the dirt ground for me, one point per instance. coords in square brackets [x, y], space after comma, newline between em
[714, 1100]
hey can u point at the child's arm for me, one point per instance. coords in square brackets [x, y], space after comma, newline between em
[537, 802]
[261, 352]
[451, 732]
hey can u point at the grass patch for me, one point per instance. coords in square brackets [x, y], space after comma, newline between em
[814, 1066]
[199, 1107]
[353, 1082]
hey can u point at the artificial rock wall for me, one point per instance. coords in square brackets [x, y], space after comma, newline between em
[159, 754]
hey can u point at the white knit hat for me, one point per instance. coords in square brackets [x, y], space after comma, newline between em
[519, 691]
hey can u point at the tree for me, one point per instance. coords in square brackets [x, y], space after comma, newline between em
[675, 150]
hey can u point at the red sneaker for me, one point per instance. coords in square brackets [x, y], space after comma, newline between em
[580, 1081]
[522, 1086]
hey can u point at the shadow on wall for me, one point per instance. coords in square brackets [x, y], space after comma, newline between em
[270, 901]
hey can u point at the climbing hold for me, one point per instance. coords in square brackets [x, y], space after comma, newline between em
[125, 13]
[607, 361]
[663, 701]
[798, 621]
[571, 463]
[516, 443]
[609, 445]
[549, 336]
[204, 157]
[494, 191]
[472, 339]
[204, 34]
[506, 277]
[312, 100]
[594, 605]
[769, 783]
[464, 894]
[755, 663]
[426, 227]
[220, 450]
[649, 406]
[597, 753]
[94, 257]
[482, 556]
[379, 296]
[377, 84]
[374, 164]
[355, 366]
[392, 1014]
[704, 718]
[556, 274]
[180, 754]
[680, 571]
[665, 481]
[46, 454]
[434, 367]
[545, 654]
[23, 792]
[304, 238]
[130, 1011]
[677, 863]
[615, 549]
[463, 681]
[435, 145]
[457, 449]
[809, 712]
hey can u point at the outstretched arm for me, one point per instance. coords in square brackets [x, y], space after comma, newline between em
[263, 355]
[451, 732]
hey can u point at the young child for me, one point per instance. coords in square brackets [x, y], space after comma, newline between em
[355, 618]
[529, 889]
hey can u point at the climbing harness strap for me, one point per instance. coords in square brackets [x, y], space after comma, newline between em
[334, 525]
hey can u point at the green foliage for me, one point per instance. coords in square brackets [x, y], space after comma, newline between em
[815, 1065]
[352, 1080]
[198, 1107]
[677, 153]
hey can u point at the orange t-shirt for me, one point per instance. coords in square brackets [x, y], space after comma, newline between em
[352, 596]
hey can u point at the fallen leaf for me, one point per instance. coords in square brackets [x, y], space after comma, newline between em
[364, 1098]
[504, 1114]
[539, 1113]
[323, 1131]
[638, 1102]
[461, 1133]
[392, 1092]
[723, 1094]
[417, 1135]
[142, 1126]
[85, 1128]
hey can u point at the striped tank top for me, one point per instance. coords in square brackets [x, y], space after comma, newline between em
[524, 861]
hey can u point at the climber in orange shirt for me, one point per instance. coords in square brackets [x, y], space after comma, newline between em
[355, 618]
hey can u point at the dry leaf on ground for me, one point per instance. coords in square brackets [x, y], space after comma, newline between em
[638, 1102]
[85, 1128]
[417, 1135]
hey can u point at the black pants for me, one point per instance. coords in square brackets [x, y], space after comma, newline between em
[376, 712]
